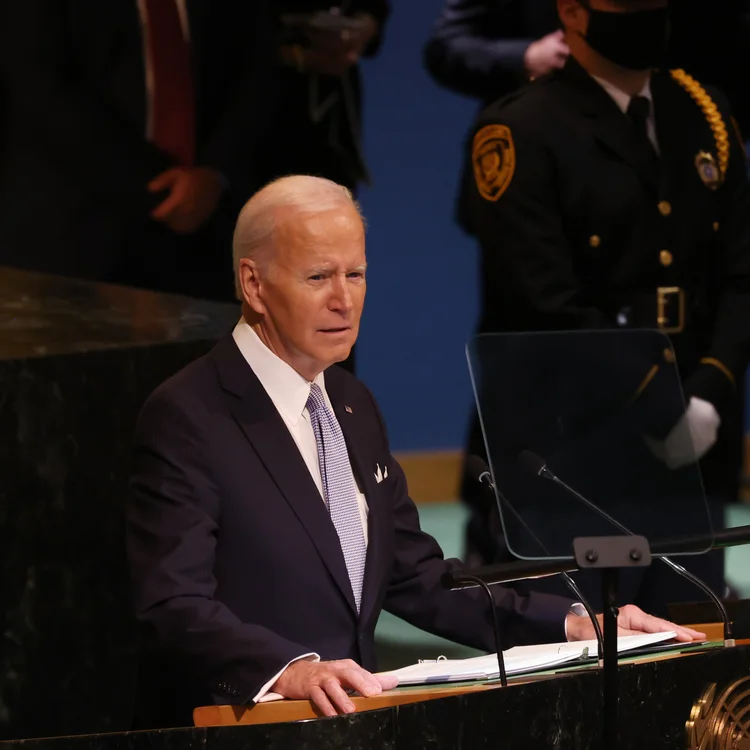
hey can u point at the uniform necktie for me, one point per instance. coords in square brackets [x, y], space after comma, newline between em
[339, 490]
[172, 94]
[639, 110]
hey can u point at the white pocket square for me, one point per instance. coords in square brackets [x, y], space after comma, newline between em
[381, 475]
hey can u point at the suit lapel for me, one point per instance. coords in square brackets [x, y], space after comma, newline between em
[360, 455]
[610, 126]
[263, 426]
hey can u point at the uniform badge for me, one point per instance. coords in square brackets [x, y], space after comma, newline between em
[493, 157]
[707, 170]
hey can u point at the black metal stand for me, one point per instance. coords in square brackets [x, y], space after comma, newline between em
[610, 555]
[610, 578]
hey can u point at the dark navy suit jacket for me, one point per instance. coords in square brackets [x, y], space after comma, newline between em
[236, 566]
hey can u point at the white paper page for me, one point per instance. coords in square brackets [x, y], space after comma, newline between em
[518, 660]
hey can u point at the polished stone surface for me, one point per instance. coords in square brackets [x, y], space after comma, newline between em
[563, 713]
[77, 361]
[45, 315]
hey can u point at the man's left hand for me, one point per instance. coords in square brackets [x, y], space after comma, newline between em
[194, 193]
[631, 621]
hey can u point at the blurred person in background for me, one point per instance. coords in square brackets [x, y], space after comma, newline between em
[129, 132]
[317, 127]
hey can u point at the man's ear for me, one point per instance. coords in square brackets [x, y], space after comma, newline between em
[250, 283]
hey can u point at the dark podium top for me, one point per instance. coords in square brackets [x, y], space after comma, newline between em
[43, 315]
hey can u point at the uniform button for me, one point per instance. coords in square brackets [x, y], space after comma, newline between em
[716, 226]
[669, 356]
[595, 240]
[665, 258]
[665, 208]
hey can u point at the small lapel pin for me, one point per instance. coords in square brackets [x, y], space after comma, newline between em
[348, 409]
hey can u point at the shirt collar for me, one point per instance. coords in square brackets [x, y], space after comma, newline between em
[621, 98]
[288, 390]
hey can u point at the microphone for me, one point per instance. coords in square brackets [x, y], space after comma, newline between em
[538, 466]
[478, 469]
[535, 465]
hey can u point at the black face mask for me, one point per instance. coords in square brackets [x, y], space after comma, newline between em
[636, 40]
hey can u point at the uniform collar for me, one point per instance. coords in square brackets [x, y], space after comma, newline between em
[622, 98]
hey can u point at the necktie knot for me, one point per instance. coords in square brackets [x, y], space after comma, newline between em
[315, 400]
[639, 110]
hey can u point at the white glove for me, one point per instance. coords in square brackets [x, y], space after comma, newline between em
[691, 438]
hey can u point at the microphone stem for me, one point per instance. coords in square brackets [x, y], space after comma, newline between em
[571, 584]
[729, 641]
[592, 615]
[728, 635]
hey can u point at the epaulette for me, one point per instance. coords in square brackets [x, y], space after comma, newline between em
[712, 115]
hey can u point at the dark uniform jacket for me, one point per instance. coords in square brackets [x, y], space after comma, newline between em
[477, 47]
[583, 227]
[580, 229]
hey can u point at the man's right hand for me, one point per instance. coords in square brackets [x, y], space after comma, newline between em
[325, 684]
[546, 54]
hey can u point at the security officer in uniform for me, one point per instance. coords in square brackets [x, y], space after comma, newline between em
[613, 193]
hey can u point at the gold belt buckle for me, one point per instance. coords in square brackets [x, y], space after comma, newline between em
[670, 309]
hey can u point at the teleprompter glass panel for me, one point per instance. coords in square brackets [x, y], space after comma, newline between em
[602, 412]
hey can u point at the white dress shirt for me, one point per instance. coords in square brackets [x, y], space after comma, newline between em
[622, 100]
[289, 392]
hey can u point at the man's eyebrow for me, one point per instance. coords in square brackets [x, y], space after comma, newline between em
[314, 270]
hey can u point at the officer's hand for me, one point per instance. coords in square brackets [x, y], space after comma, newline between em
[325, 684]
[546, 54]
[691, 438]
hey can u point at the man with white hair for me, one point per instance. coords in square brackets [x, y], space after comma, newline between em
[268, 523]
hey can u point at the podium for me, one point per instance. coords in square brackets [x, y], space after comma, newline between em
[277, 712]
[660, 695]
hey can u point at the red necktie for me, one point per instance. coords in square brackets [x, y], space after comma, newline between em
[173, 97]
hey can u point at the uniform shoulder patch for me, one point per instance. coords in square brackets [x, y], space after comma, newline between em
[493, 158]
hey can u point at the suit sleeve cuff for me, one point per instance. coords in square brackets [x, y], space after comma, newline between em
[267, 687]
[578, 610]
